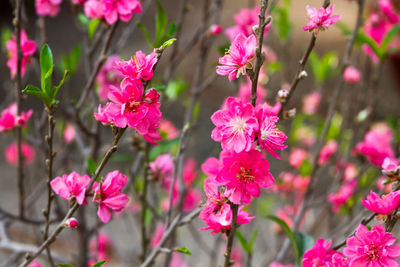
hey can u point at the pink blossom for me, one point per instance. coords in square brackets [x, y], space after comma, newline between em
[269, 136]
[47, 7]
[128, 109]
[321, 255]
[373, 247]
[94, 9]
[384, 205]
[277, 264]
[243, 174]
[101, 244]
[35, 263]
[9, 118]
[78, 1]
[71, 186]
[352, 75]
[69, 133]
[28, 48]
[235, 124]
[163, 169]
[190, 202]
[339, 198]
[306, 136]
[311, 102]
[245, 20]
[157, 235]
[215, 29]
[327, 151]
[176, 261]
[297, 156]
[376, 145]
[190, 172]
[140, 67]
[109, 195]
[239, 57]
[11, 153]
[237, 257]
[71, 223]
[245, 92]
[390, 167]
[123, 9]
[167, 130]
[108, 75]
[320, 19]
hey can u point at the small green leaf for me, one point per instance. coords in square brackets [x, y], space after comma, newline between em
[304, 242]
[282, 22]
[34, 91]
[305, 168]
[388, 39]
[92, 26]
[57, 88]
[175, 88]
[46, 68]
[65, 265]
[365, 39]
[161, 23]
[146, 34]
[289, 233]
[171, 30]
[5, 35]
[167, 43]
[83, 19]
[242, 241]
[252, 240]
[91, 165]
[99, 264]
[184, 250]
[70, 62]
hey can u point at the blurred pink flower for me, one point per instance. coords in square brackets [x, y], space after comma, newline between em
[235, 124]
[94, 9]
[277, 264]
[176, 261]
[384, 205]
[108, 76]
[383, 183]
[373, 247]
[9, 118]
[311, 102]
[101, 244]
[109, 195]
[28, 48]
[352, 75]
[163, 169]
[320, 19]
[34, 263]
[350, 172]
[245, 92]
[339, 198]
[11, 153]
[327, 151]
[306, 136]
[157, 235]
[239, 57]
[237, 257]
[140, 67]
[167, 130]
[122, 9]
[71, 186]
[390, 167]
[47, 7]
[69, 133]
[297, 156]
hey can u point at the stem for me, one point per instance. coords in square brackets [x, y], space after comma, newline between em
[231, 235]
[143, 200]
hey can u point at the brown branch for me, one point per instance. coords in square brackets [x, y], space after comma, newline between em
[231, 235]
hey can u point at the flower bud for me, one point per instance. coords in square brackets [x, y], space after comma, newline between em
[152, 96]
[352, 75]
[303, 74]
[71, 223]
[288, 114]
[282, 95]
[215, 29]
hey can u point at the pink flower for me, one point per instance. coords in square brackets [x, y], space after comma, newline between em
[69, 133]
[47, 7]
[109, 196]
[241, 52]
[243, 174]
[235, 124]
[167, 130]
[35, 263]
[28, 48]
[352, 75]
[269, 136]
[340, 197]
[71, 223]
[237, 257]
[376, 145]
[163, 169]
[245, 92]
[176, 261]
[373, 247]
[94, 9]
[245, 20]
[11, 153]
[321, 255]
[108, 75]
[215, 29]
[9, 118]
[123, 9]
[320, 19]
[297, 156]
[71, 186]
[327, 151]
[102, 243]
[384, 205]
[190, 202]
[157, 236]
[217, 213]
[128, 109]
[350, 172]
[390, 167]
[311, 102]
[140, 67]
[277, 264]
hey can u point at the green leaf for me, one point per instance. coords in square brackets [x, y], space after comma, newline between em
[305, 168]
[83, 19]
[6, 35]
[161, 24]
[99, 264]
[34, 91]
[92, 26]
[175, 88]
[242, 241]
[164, 147]
[146, 34]
[57, 88]
[46, 68]
[167, 43]
[289, 233]
[304, 242]
[388, 38]
[252, 239]
[71, 61]
[368, 177]
[65, 265]
[282, 22]
[274, 67]
[171, 30]
[334, 128]
[184, 250]
[365, 39]
[91, 165]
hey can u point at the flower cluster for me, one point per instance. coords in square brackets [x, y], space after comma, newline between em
[47, 7]
[112, 10]
[129, 104]
[28, 48]
[9, 118]
[11, 153]
[320, 19]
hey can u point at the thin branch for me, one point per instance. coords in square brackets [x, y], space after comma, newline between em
[231, 235]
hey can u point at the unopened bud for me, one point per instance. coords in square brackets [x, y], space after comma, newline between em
[215, 29]
[288, 114]
[303, 74]
[282, 95]
[255, 30]
[71, 223]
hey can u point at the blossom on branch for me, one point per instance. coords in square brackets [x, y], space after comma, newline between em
[320, 19]
[9, 118]
[28, 48]
[71, 186]
[384, 205]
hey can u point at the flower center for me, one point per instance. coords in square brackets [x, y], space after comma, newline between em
[372, 251]
[245, 174]
[132, 105]
[238, 124]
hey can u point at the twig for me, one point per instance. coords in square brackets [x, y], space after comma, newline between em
[143, 199]
[231, 235]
